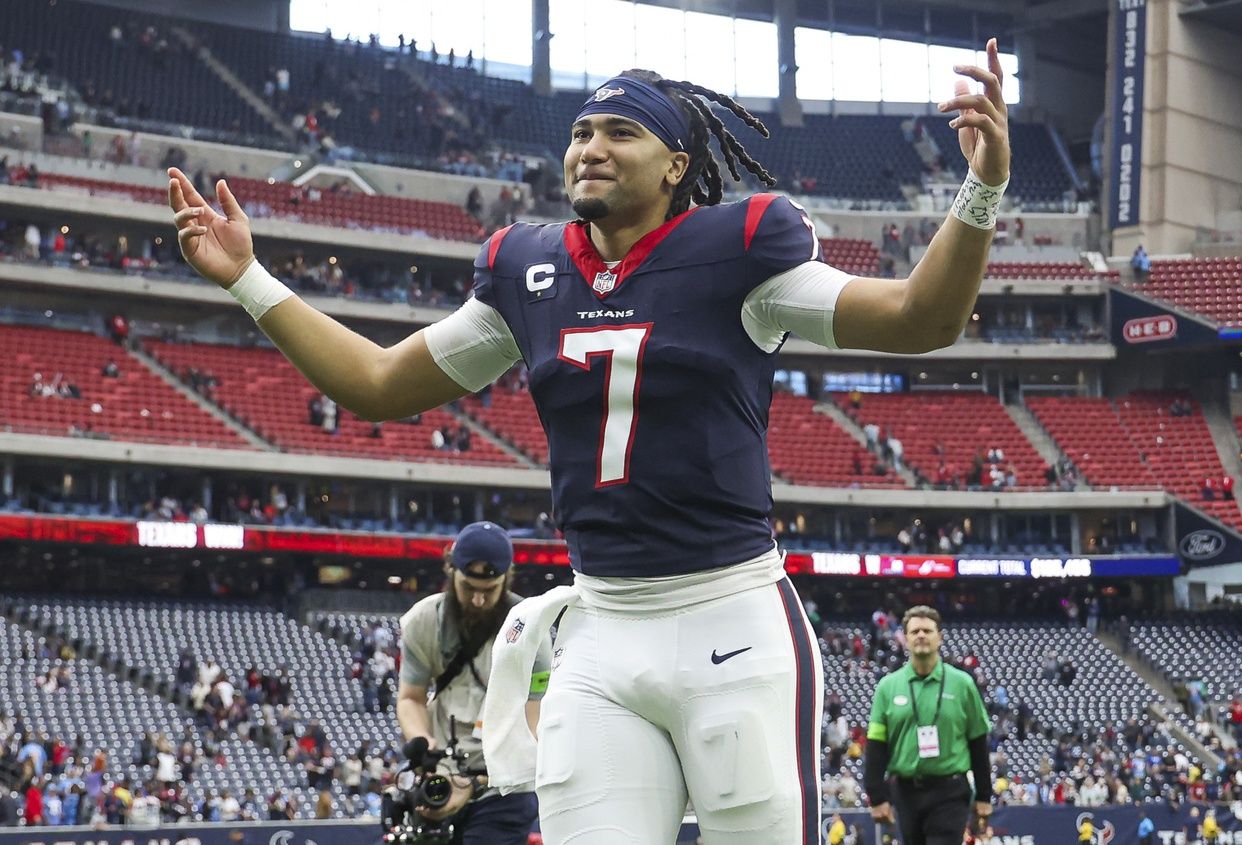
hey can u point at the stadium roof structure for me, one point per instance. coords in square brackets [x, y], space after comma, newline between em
[1227, 14]
[964, 20]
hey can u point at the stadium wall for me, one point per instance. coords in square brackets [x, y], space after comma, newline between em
[1060, 82]
[1046, 825]
[1192, 133]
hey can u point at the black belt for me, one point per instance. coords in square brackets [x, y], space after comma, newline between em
[925, 781]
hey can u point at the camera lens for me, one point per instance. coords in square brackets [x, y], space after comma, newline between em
[436, 790]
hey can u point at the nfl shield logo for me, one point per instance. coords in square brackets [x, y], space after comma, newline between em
[604, 282]
[515, 631]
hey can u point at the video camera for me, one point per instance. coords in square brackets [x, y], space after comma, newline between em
[420, 785]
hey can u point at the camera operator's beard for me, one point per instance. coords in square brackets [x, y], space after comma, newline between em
[477, 625]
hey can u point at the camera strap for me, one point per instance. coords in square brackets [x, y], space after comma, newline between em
[466, 653]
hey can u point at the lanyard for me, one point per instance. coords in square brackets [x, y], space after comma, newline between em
[914, 701]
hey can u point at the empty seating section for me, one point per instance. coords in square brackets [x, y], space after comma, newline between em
[1136, 441]
[138, 77]
[1208, 286]
[851, 157]
[135, 406]
[108, 713]
[288, 202]
[1042, 178]
[806, 447]
[937, 426]
[366, 85]
[112, 715]
[512, 415]
[358, 211]
[1105, 692]
[1193, 650]
[264, 391]
[853, 255]
[380, 96]
[151, 635]
[1179, 450]
[1090, 434]
[103, 188]
[347, 627]
[1053, 271]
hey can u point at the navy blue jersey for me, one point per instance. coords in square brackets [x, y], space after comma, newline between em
[653, 396]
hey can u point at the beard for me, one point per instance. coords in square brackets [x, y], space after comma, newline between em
[591, 208]
[478, 625]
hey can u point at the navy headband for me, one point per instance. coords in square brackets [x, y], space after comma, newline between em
[642, 102]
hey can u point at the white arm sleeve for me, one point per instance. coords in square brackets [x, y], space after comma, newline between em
[801, 300]
[473, 345]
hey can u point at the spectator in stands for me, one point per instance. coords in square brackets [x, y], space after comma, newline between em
[34, 751]
[1226, 487]
[331, 422]
[323, 806]
[34, 805]
[474, 203]
[1140, 262]
[872, 433]
[33, 241]
[118, 327]
[895, 450]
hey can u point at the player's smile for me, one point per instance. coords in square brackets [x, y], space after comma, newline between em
[595, 175]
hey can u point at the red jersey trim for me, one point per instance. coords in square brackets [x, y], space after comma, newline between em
[586, 258]
[754, 213]
[493, 246]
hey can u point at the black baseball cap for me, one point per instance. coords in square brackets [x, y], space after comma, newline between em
[486, 542]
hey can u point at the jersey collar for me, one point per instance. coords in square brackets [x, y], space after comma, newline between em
[936, 674]
[595, 272]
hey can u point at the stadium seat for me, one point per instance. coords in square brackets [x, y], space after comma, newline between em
[263, 390]
[1211, 287]
[952, 427]
[136, 406]
[1136, 442]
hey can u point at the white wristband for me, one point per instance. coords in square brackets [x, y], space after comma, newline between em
[977, 204]
[258, 290]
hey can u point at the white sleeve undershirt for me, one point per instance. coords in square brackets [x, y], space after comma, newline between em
[474, 346]
[801, 300]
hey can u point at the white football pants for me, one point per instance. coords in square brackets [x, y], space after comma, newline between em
[720, 699]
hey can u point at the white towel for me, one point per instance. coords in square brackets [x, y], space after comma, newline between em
[508, 746]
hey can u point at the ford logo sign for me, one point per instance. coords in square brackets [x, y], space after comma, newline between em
[1203, 544]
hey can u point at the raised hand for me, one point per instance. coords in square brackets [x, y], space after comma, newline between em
[983, 124]
[217, 245]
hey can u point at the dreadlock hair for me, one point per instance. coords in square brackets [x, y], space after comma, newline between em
[703, 182]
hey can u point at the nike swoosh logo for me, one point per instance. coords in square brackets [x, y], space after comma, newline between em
[721, 658]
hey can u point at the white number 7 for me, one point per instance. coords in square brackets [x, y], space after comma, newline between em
[622, 350]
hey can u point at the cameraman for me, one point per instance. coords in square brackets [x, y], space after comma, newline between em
[446, 647]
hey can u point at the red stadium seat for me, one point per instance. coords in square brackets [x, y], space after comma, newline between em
[261, 388]
[1207, 286]
[952, 427]
[1135, 441]
[137, 406]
